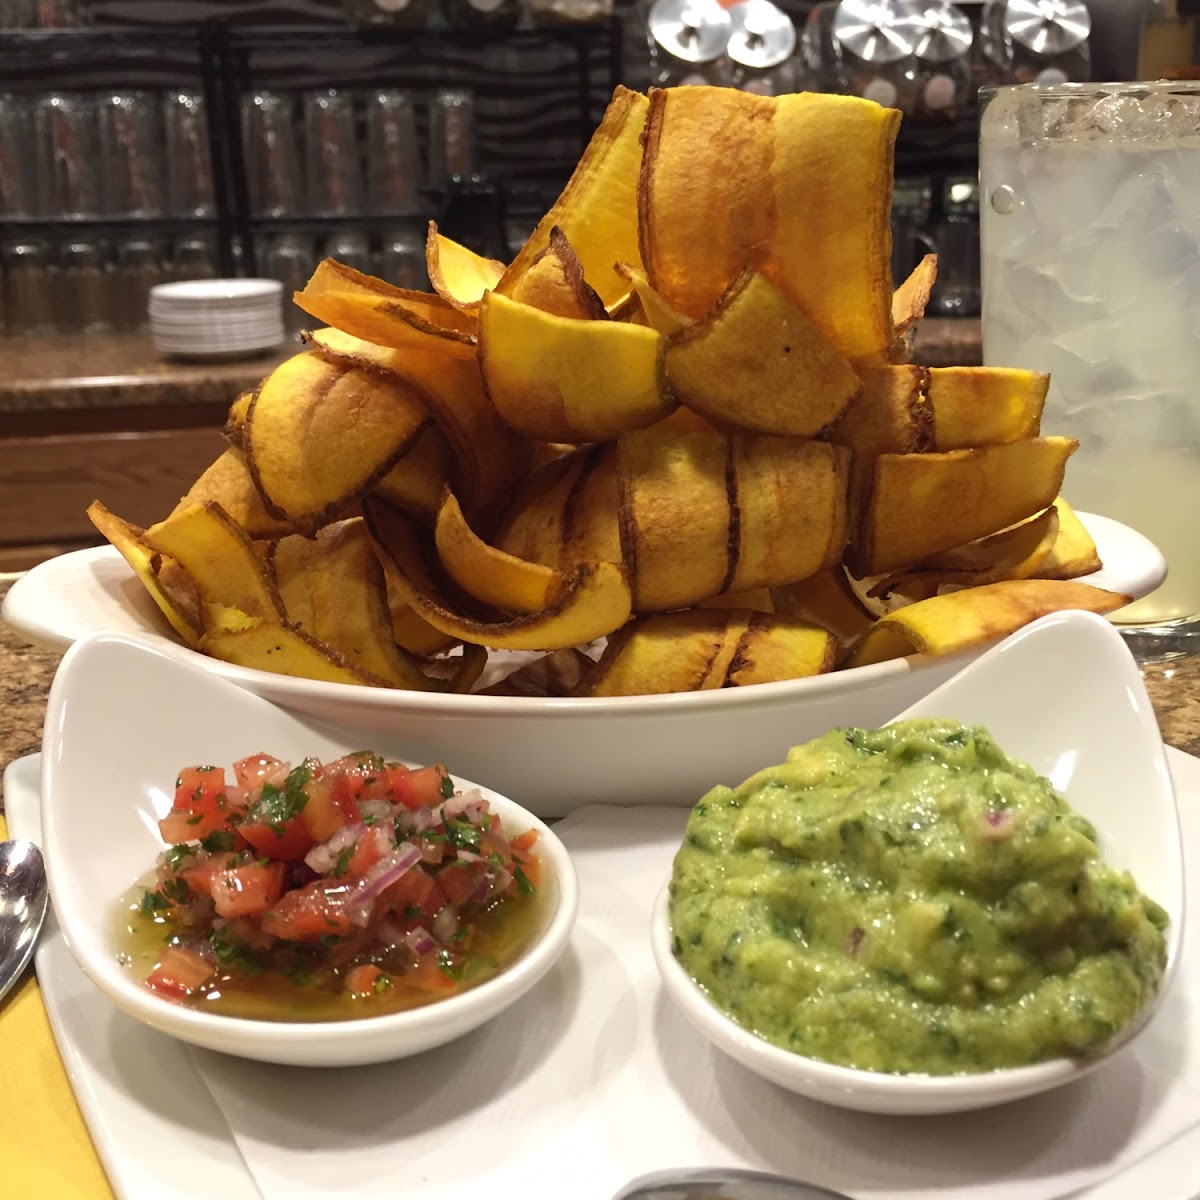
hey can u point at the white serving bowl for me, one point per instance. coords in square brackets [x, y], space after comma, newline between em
[123, 718]
[1065, 696]
[554, 754]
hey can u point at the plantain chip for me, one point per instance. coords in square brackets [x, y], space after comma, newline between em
[1073, 553]
[705, 649]
[232, 582]
[265, 646]
[416, 479]
[591, 603]
[627, 308]
[890, 415]
[486, 574]
[702, 211]
[944, 624]
[758, 511]
[375, 311]
[554, 283]
[1014, 553]
[825, 599]
[917, 505]
[320, 432]
[597, 210]
[758, 600]
[235, 420]
[911, 297]
[831, 178]
[458, 275]
[332, 587]
[181, 611]
[756, 362]
[557, 379]
[230, 484]
[488, 456]
[984, 406]
[658, 313]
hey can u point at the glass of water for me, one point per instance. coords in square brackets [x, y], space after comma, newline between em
[1090, 240]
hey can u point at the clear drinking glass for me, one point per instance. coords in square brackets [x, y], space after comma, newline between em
[1090, 226]
[65, 156]
[394, 171]
[131, 141]
[331, 154]
[188, 156]
[269, 149]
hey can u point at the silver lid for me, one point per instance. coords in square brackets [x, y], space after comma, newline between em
[945, 34]
[693, 30]
[1047, 26]
[878, 31]
[763, 34]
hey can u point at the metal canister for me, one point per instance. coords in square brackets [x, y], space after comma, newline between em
[878, 41]
[943, 52]
[1049, 40]
[688, 42]
[761, 44]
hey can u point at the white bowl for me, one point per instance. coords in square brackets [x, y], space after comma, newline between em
[1065, 696]
[555, 754]
[122, 719]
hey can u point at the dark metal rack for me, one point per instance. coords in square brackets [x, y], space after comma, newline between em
[225, 58]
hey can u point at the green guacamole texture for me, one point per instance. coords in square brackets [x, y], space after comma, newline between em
[911, 900]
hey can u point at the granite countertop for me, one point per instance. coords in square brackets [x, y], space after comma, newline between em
[26, 673]
[64, 374]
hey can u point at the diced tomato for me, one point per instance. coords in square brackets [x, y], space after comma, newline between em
[416, 888]
[287, 842]
[524, 841]
[363, 980]
[180, 972]
[247, 890]
[415, 789]
[201, 806]
[332, 803]
[368, 850]
[432, 850]
[427, 976]
[459, 879]
[199, 875]
[310, 913]
[495, 843]
[250, 772]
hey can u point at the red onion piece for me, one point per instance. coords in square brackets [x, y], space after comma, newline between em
[445, 924]
[384, 873]
[465, 804]
[419, 941]
[483, 889]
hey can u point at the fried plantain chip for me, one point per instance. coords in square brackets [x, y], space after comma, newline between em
[332, 587]
[703, 210]
[832, 183]
[556, 379]
[759, 600]
[182, 612]
[891, 414]
[758, 511]
[235, 421]
[234, 586]
[266, 646]
[704, 649]
[917, 505]
[756, 362]
[1073, 553]
[416, 480]
[825, 599]
[911, 297]
[229, 482]
[320, 433]
[486, 574]
[488, 455]
[944, 624]
[375, 311]
[597, 210]
[554, 283]
[1014, 553]
[659, 314]
[593, 602]
[458, 275]
[627, 308]
[984, 406]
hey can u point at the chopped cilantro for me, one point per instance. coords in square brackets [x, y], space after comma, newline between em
[342, 865]
[411, 912]
[176, 890]
[449, 965]
[496, 858]
[220, 841]
[233, 954]
[152, 903]
[196, 819]
[447, 787]
[524, 883]
[462, 835]
[175, 855]
[383, 981]
[276, 806]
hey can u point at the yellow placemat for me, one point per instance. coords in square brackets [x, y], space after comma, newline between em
[47, 1149]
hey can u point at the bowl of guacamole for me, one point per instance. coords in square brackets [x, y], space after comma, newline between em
[911, 900]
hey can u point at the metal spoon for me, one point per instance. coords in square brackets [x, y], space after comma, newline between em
[722, 1183]
[23, 900]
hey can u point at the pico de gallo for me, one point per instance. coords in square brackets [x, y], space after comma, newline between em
[329, 890]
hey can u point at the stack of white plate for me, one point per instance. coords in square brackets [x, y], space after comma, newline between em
[216, 318]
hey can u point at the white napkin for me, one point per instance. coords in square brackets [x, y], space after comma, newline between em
[595, 1078]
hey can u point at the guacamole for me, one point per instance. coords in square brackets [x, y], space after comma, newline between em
[910, 899]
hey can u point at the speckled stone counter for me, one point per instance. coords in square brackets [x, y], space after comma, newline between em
[26, 674]
[65, 374]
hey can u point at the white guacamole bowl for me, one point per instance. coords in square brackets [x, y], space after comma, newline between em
[1065, 696]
